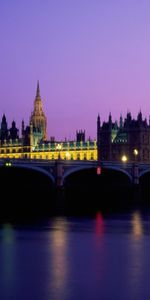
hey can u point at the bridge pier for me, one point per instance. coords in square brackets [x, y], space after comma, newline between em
[60, 199]
[59, 173]
[136, 186]
[135, 174]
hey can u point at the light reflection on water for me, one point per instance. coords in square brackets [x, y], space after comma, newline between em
[99, 224]
[136, 254]
[106, 257]
[136, 221]
[59, 260]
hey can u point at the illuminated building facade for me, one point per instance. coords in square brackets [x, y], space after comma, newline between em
[38, 119]
[130, 139]
[33, 143]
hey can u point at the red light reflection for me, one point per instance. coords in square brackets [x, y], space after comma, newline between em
[99, 223]
[99, 170]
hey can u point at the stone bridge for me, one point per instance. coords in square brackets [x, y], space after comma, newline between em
[58, 170]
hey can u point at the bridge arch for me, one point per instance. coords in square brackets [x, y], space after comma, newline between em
[143, 172]
[76, 169]
[30, 191]
[84, 167]
[35, 168]
[111, 190]
[119, 170]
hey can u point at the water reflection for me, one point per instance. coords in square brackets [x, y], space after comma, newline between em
[59, 267]
[99, 224]
[98, 249]
[77, 258]
[137, 226]
[7, 258]
[136, 254]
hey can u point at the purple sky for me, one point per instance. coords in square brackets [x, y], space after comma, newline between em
[90, 56]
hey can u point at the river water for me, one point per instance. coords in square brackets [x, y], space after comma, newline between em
[102, 257]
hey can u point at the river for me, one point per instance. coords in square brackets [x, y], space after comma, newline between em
[68, 258]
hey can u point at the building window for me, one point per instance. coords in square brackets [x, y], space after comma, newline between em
[92, 156]
[78, 156]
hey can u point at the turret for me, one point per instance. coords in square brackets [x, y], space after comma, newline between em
[98, 128]
[139, 117]
[110, 121]
[31, 135]
[80, 136]
[98, 138]
[14, 132]
[22, 128]
[4, 129]
[121, 122]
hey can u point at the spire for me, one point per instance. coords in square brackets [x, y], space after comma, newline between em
[38, 90]
[129, 117]
[110, 118]
[139, 117]
[98, 121]
[121, 121]
[4, 118]
[22, 128]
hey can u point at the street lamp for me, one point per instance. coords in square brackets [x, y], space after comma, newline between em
[124, 158]
[135, 168]
[135, 152]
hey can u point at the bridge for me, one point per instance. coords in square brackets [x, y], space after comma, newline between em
[58, 170]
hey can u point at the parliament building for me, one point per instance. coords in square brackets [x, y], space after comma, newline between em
[128, 140]
[33, 142]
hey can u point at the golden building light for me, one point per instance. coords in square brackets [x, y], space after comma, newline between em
[124, 158]
[135, 151]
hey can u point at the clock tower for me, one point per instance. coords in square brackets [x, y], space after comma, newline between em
[38, 118]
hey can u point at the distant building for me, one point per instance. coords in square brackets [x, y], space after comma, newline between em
[129, 138]
[33, 143]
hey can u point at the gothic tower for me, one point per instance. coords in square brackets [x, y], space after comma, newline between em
[98, 138]
[4, 129]
[38, 118]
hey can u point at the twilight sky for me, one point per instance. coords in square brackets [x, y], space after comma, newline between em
[90, 57]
